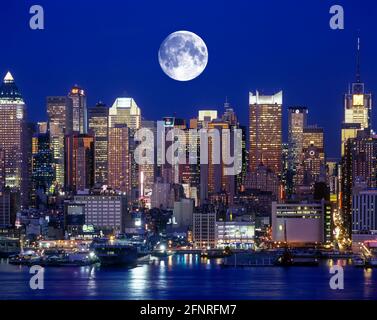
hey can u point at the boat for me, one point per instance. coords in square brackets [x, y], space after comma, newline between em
[116, 253]
[62, 258]
[26, 258]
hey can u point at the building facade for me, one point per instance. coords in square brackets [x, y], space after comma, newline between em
[98, 126]
[265, 130]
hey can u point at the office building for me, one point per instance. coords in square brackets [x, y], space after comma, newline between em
[98, 126]
[125, 111]
[79, 162]
[119, 159]
[79, 110]
[59, 111]
[357, 106]
[13, 137]
[265, 129]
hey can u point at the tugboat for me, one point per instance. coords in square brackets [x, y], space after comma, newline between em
[116, 252]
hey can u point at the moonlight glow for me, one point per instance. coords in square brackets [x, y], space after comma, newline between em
[183, 55]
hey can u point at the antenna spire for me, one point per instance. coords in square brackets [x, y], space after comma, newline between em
[358, 73]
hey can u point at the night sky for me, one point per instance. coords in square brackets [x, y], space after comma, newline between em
[110, 49]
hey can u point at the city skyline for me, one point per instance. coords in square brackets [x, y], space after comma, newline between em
[248, 65]
[188, 150]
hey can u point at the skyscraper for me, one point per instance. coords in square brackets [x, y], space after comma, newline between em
[312, 155]
[43, 173]
[79, 162]
[59, 111]
[119, 159]
[359, 170]
[98, 126]
[79, 113]
[265, 129]
[13, 136]
[357, 106]
[148, 171]
[125, 111]
[297, 121]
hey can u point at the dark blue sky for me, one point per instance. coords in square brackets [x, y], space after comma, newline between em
[110, 48]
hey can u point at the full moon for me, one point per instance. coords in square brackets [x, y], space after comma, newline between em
[183, 56]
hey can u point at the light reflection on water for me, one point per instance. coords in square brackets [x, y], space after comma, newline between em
[189, 277]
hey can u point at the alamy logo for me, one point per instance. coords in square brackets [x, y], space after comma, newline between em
[337, 280]
[179, 147]
[37, 280]
[37, 20]
[337, 20]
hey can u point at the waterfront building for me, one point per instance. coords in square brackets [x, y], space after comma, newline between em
[265, 129]
[301, 223]
[235, 234]
[5, 209]
[98, 126]
[14, 141]
[59, 111]
[364, 212]
[104, 211]
[79, 110]
[204, 230]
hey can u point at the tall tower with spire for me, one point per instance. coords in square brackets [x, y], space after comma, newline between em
[357, 105]
[13, 142]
